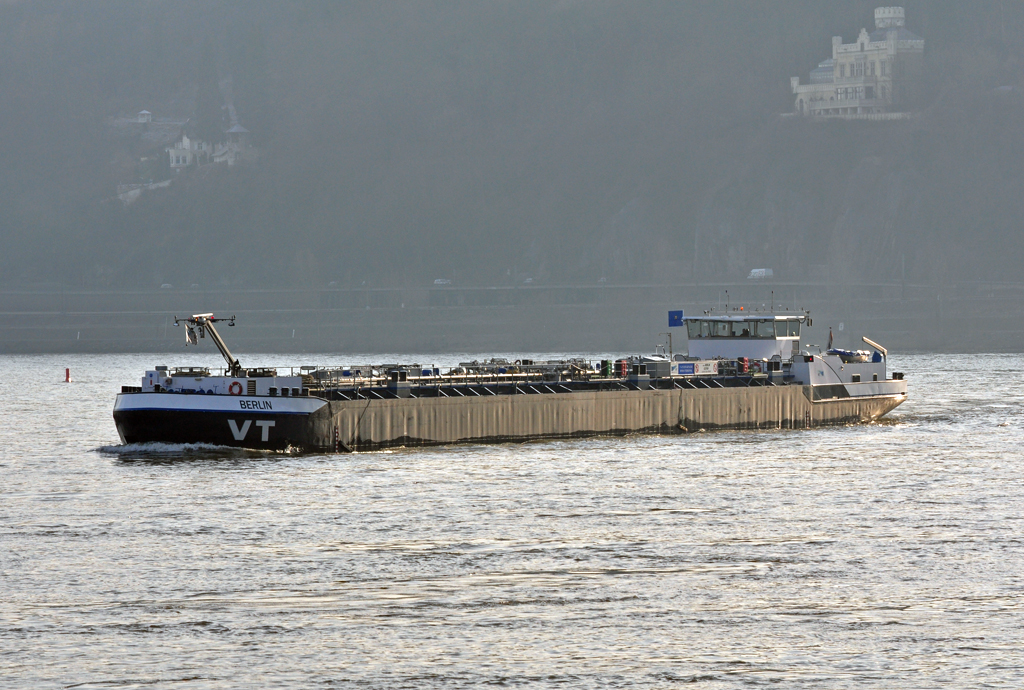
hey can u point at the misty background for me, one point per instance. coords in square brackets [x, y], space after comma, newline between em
[595, 158]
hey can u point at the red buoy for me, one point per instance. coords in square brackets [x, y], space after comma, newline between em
[67, 375]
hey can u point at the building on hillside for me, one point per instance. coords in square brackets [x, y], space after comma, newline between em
[238, 134]
[150, 130]
[236, 148]
[869, 78]
[186, 151]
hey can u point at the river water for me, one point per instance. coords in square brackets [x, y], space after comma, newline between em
[885, 555]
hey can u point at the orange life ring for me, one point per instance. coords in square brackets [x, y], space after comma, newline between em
[235, 388]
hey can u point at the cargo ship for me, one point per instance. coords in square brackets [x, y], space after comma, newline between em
[742, 370]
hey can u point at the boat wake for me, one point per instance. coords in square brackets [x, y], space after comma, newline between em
[186, 451]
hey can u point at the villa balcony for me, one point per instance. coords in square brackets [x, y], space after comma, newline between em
[860, 81]
[848, 106]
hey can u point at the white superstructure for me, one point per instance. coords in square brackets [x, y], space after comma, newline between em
[758, 336]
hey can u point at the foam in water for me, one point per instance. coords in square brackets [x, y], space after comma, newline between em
[155, 449]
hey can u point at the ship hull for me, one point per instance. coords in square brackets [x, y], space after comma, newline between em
[361, 424]
[224, 420]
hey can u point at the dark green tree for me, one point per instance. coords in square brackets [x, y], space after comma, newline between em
[208, 120]
[251, 98]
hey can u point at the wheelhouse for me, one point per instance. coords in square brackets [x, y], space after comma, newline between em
[760, 328]
[758, 336]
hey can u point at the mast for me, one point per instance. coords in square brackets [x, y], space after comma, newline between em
[203, 324]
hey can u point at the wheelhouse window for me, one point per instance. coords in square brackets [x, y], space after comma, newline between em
[740, 329]
[787, 329]
[760, 328]
[764, 329]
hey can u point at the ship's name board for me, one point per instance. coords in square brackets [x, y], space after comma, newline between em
[255, 405]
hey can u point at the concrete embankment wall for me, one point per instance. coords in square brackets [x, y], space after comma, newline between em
[369, 424]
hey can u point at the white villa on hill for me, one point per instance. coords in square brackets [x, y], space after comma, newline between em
[187, 151]
[863, 78]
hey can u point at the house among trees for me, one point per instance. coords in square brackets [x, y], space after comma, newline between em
[187, 151]
[191, 151]
[870, 78]
[235, 148]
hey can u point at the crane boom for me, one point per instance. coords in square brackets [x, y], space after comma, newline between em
[872, 343]
[203, 324]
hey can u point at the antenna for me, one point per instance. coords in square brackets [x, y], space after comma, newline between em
[669, 344]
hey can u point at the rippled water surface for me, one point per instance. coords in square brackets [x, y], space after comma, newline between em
[884, 555]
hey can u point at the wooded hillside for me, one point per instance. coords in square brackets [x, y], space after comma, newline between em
[490, 143]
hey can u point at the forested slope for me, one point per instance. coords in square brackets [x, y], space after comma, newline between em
[488, 143]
